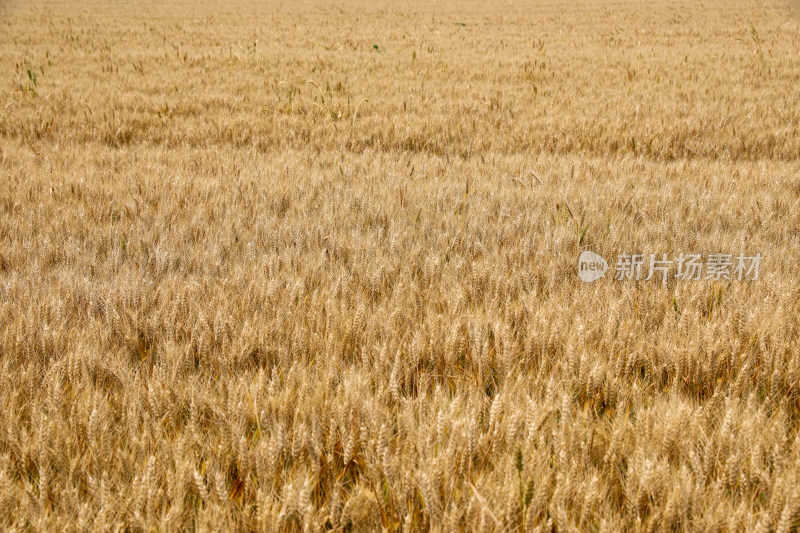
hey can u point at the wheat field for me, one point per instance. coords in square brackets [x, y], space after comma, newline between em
[306, 266]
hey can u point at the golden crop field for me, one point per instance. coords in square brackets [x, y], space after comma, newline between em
[306, 266]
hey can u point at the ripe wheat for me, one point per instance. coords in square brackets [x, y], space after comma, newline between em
[293, 267]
